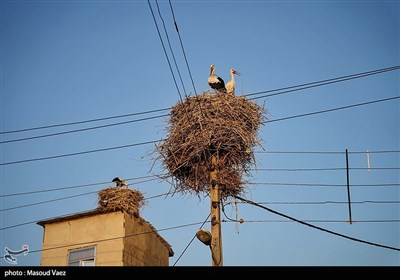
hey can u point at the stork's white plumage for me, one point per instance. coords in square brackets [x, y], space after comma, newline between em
[119, 182]
[216, 82]
[230, 86]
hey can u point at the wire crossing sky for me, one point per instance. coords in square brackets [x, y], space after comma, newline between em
[86, 88]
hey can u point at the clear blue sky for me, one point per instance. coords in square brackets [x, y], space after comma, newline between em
[69, 61]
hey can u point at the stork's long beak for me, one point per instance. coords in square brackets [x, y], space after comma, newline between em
[236, 72]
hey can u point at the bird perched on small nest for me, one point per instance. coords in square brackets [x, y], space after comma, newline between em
[230, 86]
[216, 82]
[120, 182]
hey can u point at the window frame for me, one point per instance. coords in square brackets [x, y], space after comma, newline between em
[82, 261]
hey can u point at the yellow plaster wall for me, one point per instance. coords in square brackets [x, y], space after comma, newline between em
[84, 232]
[121, 250]
[143, 249]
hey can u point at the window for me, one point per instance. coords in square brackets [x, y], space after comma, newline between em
[82, 257]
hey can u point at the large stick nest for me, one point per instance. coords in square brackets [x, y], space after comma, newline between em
[211, 125]
[122, 199]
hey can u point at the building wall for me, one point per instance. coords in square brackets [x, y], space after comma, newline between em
[130, 244]
[84, 232]
[141, 248]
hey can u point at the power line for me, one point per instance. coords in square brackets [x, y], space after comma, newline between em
[165, 51]
[316, 227]
[278, 184]
[165, 115]
[281, 184]
[309, 221]
[329, 202]
[65, 197]
[302, 152]
[57, 199]
[312, 221]
[85, 121]
[79, 153]
[183, 49]
[321, 83]
[296, 184]
[148, 1]
[298, 169]
[376, 152]
[72, 187]
[374, 168]
[170, 47]
[324, 169]
[155, 141]
[186, 60]
[157, 176]
[333, 109]
[327, 152]
[190, 242]
[26, 223]
[323, 185]
[46, 201]
[82, 129]
[112, 238]
[18, 225]
[353, 76]
[332, 80]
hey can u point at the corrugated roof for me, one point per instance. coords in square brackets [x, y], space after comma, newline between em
[98, 212]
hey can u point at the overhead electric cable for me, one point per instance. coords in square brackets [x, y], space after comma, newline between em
[327, 152]
[165, 51]
[63, 198]
[319, 83]
[268, 121]
[170, 48]
[80, 153]
[327, 202]
[312, 221]
[333, 109]
[317, 227]
[158, 176]
[26, 223]
[47, 201]
[155, 141]
[112, 238]
[323, 185]
[85, 121]
[81, 129]
[72, 187]
[190, 242]
[183, 49]
[324, 169]
[339, 79]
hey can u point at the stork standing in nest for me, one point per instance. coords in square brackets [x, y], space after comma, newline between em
[119, 182]
[216, 82]
[230, 86]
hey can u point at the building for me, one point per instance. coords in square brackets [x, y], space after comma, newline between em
[95, 238]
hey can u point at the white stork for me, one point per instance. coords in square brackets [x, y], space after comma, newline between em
[119, 182]
[216, 82]
[230, 86]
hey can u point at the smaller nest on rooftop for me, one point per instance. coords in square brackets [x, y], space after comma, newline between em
[121, 199]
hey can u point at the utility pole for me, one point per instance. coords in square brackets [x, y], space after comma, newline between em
[216, 241]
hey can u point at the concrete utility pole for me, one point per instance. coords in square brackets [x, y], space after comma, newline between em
[216, 241]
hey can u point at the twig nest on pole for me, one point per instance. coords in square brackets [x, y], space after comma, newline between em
[121, 199]
[210, 125]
